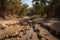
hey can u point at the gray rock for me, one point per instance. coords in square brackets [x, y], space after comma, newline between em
[56, 26]
[23, 23]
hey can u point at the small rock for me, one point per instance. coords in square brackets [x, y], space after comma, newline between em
[23, 23]
[2, 27]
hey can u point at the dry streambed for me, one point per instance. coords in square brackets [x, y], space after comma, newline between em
[28, 29]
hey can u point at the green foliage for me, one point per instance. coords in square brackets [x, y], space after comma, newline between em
[13, 6]
[24, 10]
[39, 7]
[53, 8]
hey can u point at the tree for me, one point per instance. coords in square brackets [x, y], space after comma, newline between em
[38, 6]
[24, 10]
[53, 9]
[13, 6]
[56, 7]
[2, 7]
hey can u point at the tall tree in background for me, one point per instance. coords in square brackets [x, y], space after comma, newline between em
[13, 6]
[53, 9]
[2, 7]
[2, 4]
[38, 6]
[24, 10]
[56, 8]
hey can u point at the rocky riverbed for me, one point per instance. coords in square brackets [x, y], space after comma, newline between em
[30, 29]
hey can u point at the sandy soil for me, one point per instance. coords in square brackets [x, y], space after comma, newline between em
[16, 30]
